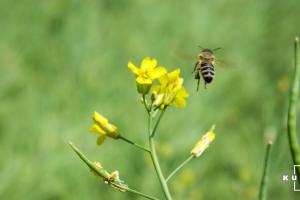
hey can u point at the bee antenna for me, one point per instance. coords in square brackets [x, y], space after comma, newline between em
[216, 49]
[201, 47]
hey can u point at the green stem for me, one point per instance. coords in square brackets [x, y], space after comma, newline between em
[155, 161]
[84, 158]
[135, 144]
[157, 123]
[264, 179]
[292, 112]
[141, 194]
[145, 104]
[179, 167]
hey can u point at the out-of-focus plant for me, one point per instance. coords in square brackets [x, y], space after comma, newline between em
[264, 180]
[159, 90]
[292, 111]
[291, 127]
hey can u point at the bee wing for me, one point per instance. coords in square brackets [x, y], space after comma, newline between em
[185, 56]
[224, 63]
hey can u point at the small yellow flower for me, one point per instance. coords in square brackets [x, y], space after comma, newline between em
[104, 128]
[146, 74]
[170, 91]
[203, 143]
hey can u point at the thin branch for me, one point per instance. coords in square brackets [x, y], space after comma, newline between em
[145, 104]
[157, 122]
[135, 144]
[141, 194]
[179, 167]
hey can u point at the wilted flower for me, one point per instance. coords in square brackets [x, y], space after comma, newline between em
[112, 179]
[203, 143]
[146, 74]
[170, 91]
[96, 168]
[104, 128]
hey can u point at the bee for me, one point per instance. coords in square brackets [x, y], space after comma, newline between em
[205, 66]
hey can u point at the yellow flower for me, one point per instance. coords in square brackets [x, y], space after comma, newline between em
[170, 91]
[203, 143]
[104, 128]
[146, 74]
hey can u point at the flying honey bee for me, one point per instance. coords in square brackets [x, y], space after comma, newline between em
[205, 66]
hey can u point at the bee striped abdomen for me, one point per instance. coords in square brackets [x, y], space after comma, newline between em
[207, 71]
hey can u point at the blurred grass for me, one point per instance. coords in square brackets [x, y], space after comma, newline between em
[61, 60]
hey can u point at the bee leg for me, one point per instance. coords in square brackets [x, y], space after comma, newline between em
[198, 84]
[195, 66]
[197, 77]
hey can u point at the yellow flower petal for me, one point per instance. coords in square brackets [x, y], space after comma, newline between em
[182, 92]
[157, 72]
[99, 119]
[148, 63]
[133, 68]
[101, 139]
[157, 99]
[112, 131]
[143, 81]
[179, 102]
[174, 75]
[97, 129]
[155, 89]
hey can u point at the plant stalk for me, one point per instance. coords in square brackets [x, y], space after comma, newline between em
[157, 123]
[155, 161]
[264, 179]
[292, 111]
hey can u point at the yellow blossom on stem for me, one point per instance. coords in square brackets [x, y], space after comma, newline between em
[170, 91]
[103, 128]
[203, 143]
[146, 73]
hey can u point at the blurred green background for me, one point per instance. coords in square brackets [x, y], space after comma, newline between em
[62, 59]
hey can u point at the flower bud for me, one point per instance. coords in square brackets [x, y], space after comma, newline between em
[104, 128]
[203, 143]
[143, 88]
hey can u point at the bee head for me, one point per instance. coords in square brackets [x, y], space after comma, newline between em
[207, 53]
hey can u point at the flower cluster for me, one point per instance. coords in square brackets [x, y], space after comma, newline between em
[169, 91]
